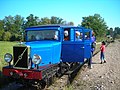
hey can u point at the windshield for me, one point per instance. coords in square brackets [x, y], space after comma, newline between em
[42, 35]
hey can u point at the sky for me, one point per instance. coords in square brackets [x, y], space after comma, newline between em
[68, 10]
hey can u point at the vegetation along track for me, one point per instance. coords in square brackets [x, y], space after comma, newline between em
[58, 84]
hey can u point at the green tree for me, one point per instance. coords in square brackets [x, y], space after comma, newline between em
[71, 23]
[6, 36]
[32, 21]
[9, 23]
[9, 27]
[19, 26]
[56, 20]
[52, 20]
[96, 23]
[14, 25]
[1, 29]
[116, 32]
[110, 32]
[19, 22]
[45, 21]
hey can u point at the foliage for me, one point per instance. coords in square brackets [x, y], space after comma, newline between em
[31, 21]
[96, 23]
[1, 29]
[110, 32]
[71, 23]
[6, 36]
[5, 47]
[52, 20]
[12, 27]
[45, 21]
[116, 33]
[99, 39]
[56, 20]
[117, 30]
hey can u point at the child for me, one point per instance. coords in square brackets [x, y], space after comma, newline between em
[102, 54]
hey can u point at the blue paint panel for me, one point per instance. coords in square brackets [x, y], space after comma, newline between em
[48, 50]
[72, 52]
[87, 50]
[77, 51]
[69, 51]
[56, 52]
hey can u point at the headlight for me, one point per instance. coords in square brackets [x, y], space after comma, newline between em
[8, 57]
[36, 59]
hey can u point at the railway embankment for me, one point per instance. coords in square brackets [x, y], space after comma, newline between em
[102, 76]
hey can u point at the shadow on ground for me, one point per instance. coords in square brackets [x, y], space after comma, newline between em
[3, 80]
[95, 62]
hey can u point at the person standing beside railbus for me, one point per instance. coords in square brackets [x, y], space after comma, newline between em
[93, 38]
[102, 53]
[93, 45]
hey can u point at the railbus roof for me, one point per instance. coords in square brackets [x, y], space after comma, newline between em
[55, 26]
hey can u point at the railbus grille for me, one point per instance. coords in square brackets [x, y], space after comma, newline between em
[20, 54]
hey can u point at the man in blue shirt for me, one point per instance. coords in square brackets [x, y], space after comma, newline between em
[93, 43]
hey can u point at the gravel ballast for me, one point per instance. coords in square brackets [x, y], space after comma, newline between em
[104, 76]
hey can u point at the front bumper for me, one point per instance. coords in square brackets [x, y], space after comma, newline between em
[22, 73]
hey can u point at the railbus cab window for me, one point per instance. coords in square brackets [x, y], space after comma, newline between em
[78, 35]
[87, 36]
[67, 35]
[42, 35]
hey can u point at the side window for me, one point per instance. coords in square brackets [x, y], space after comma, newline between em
[87, 36]
[78, 36]
[56, 35]
[66, 35]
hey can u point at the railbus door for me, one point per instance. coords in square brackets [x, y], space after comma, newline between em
[73, 49]
[87, 43]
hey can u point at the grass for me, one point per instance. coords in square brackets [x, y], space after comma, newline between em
[70, 87]
[100, 39]
[5, 47]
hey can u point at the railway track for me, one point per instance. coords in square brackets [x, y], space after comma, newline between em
[67, 79]
[59, 83]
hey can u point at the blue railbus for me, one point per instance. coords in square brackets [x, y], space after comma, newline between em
[48, 51]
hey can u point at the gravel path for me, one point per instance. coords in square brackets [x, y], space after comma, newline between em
[102, 76]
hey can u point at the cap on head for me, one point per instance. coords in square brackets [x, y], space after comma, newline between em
[77, 33]
[66, 33]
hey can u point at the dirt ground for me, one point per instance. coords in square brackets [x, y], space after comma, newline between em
[104, 76]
